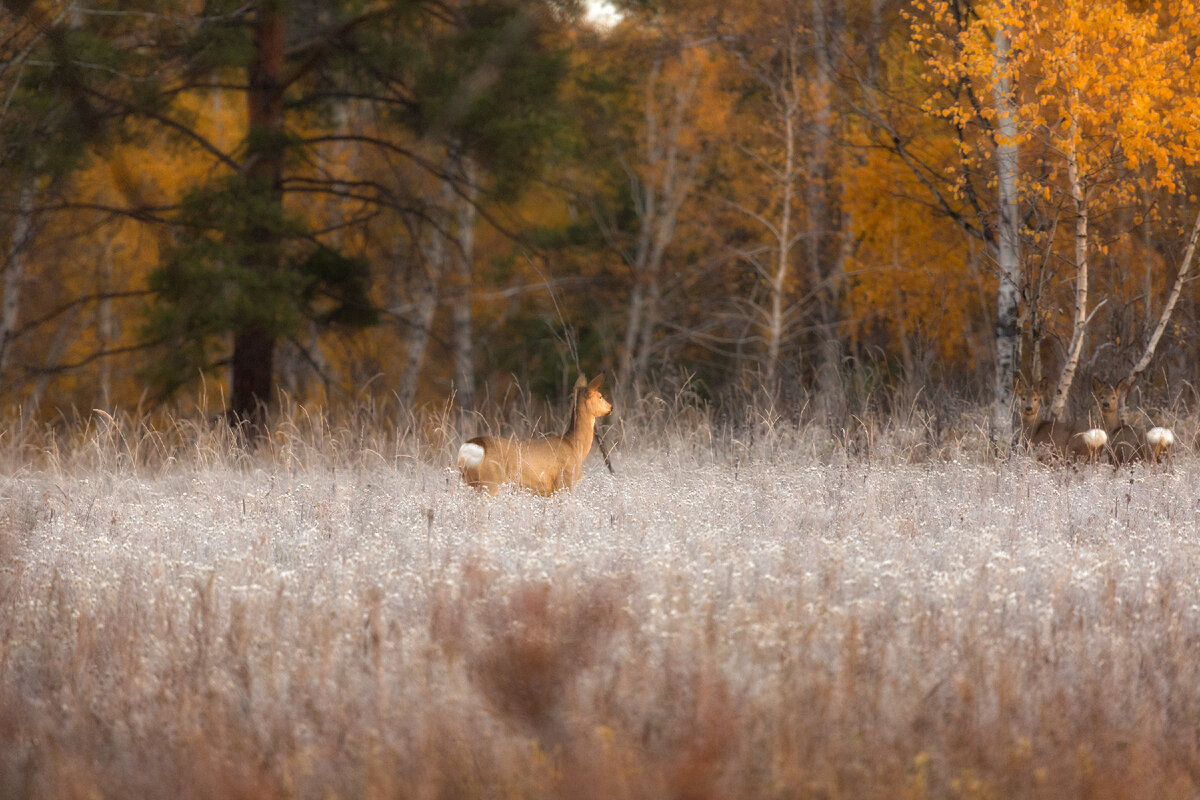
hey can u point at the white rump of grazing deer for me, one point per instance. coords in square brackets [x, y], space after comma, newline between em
[541, 465]
[1126, 442]
[1159, 443]
[1051, 439]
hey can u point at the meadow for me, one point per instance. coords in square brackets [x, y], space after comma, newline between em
[752, 611]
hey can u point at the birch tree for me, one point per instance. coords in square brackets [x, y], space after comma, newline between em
[1007, 239]
[446, 240]
[651, 112]
[425, 286]
[777, 62]
[1104, 94]
[659, 172]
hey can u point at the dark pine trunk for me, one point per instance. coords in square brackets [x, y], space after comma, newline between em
[253, 368]
[254, 343]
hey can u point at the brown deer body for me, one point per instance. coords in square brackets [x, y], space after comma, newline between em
[541, 465]
[1127, 443]
[1051, 439]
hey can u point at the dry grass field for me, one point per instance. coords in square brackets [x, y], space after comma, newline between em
[768, 612]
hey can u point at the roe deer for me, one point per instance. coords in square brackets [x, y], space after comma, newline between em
[1050, 439]
[541, 465]
[1126, 442]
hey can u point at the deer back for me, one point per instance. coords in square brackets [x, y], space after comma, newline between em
[541, 465]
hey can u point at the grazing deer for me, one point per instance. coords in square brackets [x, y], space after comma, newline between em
[1159, 443]
[1126, 442]
[540, 465]
[1051, 439]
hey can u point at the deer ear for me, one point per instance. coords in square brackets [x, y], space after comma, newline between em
[581, 382]
[1097, 385]
[1019, 384]
[1043, 384]
[596, 383]
[1124, 385]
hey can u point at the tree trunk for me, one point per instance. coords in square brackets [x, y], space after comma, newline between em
[906, 354]
[1008, 246]
[425, 290]
[254, 345]
[628, 374]
[1148, 266]
[676, 185]
[67, 333]
[782, 259]
[650, 321]
[1169, 307]
[784, 83]
[253, 371]
[1032, 325]
[663, 178]
[627, 378]
[299, 359]
[14, 274]
[875, 42]
[824, 263]
[464, 260]
[424, 306]
[1079, 198]
[106, 325]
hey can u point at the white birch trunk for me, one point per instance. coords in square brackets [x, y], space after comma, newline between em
[636, 309]
[782, 260]
[1008, 249]
[1079, 198]
[664, 181]
[781, 79]
[647, 202]
[425, 289]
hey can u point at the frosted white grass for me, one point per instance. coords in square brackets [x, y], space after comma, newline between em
[296, 593]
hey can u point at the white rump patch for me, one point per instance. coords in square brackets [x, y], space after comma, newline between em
[1095, 438]
[470, 455]
[1160, 437]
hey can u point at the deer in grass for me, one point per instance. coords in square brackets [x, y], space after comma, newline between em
[1054, 439]
[542, 465]
[1128, 443]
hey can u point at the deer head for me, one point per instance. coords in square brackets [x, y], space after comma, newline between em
[1029, 401]
[1110, 399]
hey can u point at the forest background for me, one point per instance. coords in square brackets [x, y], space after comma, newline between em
[816, 204]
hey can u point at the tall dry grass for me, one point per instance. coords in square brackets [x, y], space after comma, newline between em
[749, 607]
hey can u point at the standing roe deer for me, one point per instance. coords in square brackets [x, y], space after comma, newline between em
[1050, 439]
[541, 465]
[1126, 442]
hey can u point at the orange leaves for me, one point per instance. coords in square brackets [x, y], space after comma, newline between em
[1117, 72]
[1113, 85]
[910, 278]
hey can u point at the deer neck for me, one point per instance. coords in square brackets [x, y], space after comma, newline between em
[581, 431]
